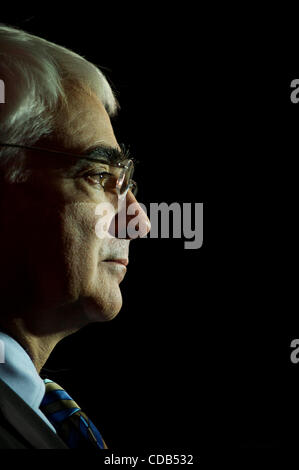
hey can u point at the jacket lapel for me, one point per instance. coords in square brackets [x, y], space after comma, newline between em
[26, 422]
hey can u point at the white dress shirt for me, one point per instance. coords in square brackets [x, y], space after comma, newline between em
[19, 373]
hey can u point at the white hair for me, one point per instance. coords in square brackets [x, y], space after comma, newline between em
[34, 72]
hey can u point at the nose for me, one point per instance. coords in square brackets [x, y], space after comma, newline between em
[130, 221]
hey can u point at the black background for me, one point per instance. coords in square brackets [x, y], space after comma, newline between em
[198, 359]
[151, 368]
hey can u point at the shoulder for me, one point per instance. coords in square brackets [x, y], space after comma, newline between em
[10, 438]
[21, 427]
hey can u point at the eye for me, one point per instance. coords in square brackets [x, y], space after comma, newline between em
[99, 178]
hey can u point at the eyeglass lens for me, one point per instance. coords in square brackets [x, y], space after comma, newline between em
[124, 179]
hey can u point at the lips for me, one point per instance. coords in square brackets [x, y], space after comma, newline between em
[124, 262]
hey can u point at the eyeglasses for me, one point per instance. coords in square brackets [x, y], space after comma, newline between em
[122, 182]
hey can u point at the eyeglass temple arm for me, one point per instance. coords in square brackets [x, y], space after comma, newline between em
[58, 152]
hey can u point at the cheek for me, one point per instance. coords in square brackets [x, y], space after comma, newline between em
[88, 278]
[83, 249]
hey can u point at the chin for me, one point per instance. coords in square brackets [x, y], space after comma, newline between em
[96, 311]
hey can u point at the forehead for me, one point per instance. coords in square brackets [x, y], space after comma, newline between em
[83, 122]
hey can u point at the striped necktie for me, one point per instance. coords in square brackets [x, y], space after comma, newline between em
[71, 424]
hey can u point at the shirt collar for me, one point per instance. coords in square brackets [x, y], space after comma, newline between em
[19, 372]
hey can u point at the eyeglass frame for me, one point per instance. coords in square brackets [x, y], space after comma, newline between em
[126, 164]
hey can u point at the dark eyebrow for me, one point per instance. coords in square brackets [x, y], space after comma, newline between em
[100, 154]
[107, 154]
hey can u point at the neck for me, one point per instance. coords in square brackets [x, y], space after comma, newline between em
[38, 331]
[37, 347]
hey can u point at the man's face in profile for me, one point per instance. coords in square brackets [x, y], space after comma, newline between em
[57, 261]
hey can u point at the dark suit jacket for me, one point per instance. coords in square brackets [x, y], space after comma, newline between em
[21, 427]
